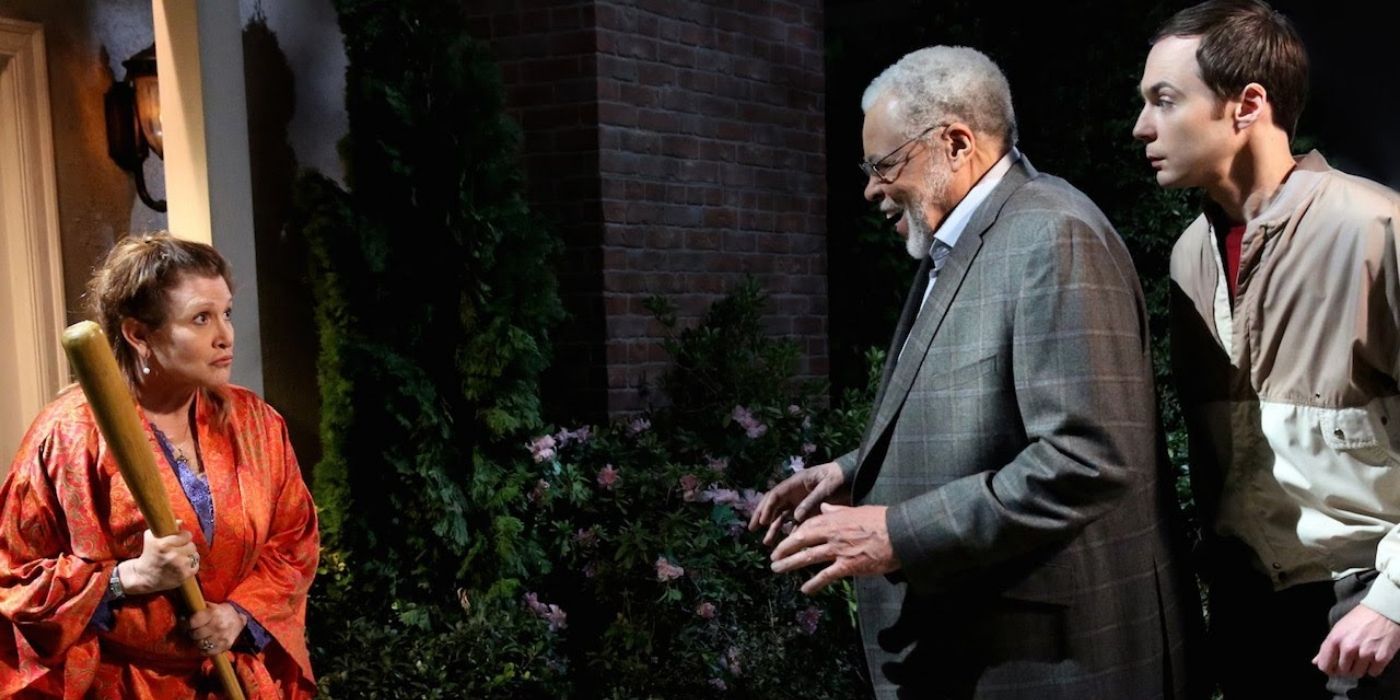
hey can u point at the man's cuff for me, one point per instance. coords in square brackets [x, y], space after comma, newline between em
[1384, 598]
[847, 462]
[914, 543]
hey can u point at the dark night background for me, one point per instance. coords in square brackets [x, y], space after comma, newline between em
[1073, 68]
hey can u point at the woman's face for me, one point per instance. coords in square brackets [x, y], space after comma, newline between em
[194, 347]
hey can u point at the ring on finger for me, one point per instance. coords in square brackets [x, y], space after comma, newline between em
[194, 561]
[207, 645]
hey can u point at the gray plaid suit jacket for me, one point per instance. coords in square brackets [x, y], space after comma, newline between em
[1016, 443]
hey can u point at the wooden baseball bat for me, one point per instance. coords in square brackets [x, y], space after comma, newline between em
[112, 406]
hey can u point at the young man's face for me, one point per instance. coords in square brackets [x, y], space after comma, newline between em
[1189, 133]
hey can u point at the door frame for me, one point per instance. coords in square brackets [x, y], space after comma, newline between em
[33, 267]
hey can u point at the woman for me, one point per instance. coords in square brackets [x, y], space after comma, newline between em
[85, 589]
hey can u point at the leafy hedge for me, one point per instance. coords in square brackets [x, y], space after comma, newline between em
[664, 591]
[433, 310]
[465, 557]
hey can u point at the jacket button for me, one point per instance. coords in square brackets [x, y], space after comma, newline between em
[1277, 566]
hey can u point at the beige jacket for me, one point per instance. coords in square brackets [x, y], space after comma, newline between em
[1290, 398]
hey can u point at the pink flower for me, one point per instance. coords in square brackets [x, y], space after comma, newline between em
[730, 661]
[748, 502]
[542, 448]
[666, 571]
[807, 422]
[706, 610]
[808, 448]
[717, 464]
[795, 464]
[794, 409]
[753, 427]
[580, 436]
[690, 488]
[638, 426]
[718, 684]
[807, 619]
[608, 477]
[550, 613]
[556, 618]
[720, 497]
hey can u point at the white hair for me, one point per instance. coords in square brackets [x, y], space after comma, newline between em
[942, 84]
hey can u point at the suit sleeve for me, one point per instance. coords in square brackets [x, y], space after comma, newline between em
[847, 462]
[1083, 383]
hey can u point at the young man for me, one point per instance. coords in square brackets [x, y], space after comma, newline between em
[1286, 346]
[1009, 528]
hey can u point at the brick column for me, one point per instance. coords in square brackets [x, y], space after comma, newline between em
[697, 157]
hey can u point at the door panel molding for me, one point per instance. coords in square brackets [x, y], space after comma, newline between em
[31, 268]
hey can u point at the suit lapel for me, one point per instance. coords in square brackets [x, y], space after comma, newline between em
[905, 324]
[900, 373]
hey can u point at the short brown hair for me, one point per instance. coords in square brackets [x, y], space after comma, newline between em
[1243, 42]
[134, 281]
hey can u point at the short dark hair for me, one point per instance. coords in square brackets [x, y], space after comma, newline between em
[1243, 42]
[134, 281]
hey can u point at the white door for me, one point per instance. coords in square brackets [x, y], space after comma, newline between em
[32, 365]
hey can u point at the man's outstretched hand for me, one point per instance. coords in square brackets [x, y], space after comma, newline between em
[798, 496]
[855, 540]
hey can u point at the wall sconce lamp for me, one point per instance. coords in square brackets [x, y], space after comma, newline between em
[133, 120]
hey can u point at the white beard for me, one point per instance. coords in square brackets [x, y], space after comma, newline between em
[920, 238]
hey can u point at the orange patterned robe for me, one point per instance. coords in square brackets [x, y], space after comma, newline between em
[67, 518]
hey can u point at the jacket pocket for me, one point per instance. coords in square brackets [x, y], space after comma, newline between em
[1357, 433]
[962, 375]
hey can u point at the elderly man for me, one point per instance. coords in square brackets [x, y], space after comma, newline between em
[1286, 346]
[1011, 527]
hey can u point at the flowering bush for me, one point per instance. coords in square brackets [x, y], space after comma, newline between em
[485, 646]
[468, 554]
[622, 566]
[666, 592]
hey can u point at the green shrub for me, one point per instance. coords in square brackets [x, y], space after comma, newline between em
[667, 594]
[477, 647]
[433, 311]
[644, 581]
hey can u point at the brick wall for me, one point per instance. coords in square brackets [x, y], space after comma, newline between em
[706, 164]
[547, 55]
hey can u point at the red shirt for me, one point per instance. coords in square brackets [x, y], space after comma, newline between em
[1234, 239]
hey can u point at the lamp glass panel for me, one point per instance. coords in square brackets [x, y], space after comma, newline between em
[148, 111]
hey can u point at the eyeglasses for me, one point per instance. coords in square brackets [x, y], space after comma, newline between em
[880, 167]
